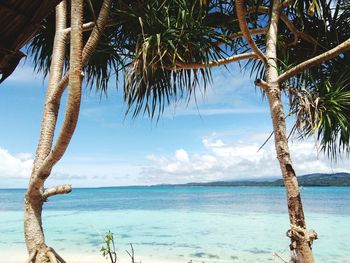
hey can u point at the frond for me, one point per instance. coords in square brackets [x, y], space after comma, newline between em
[165, 35]
[325, 111]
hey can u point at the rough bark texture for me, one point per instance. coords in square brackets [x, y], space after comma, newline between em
[33, 231]
[34, 198]
[299, 238]
[91, 44]
[47, 155]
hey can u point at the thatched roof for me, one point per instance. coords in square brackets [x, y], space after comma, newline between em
[20, 20]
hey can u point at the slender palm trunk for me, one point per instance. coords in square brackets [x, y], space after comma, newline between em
[34, 235]
[48, 155]
[33, 231]
[299, 238]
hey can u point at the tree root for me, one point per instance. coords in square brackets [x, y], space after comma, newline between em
[54, 256]
[60, 259]
[51, 254]
[32, 256]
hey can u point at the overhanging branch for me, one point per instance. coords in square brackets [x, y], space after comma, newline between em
[297, 33]
[253, 32]
[241, 15]
[215, 63]
[315, 61]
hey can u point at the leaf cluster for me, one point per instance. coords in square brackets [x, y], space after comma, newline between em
[108, 249]
[322, 101]
[147, 41]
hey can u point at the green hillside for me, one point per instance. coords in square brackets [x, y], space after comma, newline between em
[317, 179]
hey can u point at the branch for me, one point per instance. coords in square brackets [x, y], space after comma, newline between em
[255, 31]
[57, 255]
[241, 14]
[51, 256]
[297, 33]
[86, 27]
[262, 84]
[57, 190]
[216, 63]
[315, 61]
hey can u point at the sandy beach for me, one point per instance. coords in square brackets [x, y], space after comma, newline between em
[20, 257]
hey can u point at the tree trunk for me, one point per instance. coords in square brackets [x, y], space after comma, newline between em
[33, 231]
[300, 239]
[46, 156]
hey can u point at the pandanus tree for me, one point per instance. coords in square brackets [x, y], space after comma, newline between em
[49, 153]
[165, 50]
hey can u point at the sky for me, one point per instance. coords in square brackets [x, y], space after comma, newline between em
[215, 137]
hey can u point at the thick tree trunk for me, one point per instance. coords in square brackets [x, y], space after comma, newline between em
[300, 239]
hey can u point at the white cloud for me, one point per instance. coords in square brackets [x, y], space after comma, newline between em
[242, 160]
[181, 155]
[15, 166]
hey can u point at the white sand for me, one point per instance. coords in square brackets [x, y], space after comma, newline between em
[21, 257]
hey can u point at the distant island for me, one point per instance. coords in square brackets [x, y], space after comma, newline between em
[316, 179]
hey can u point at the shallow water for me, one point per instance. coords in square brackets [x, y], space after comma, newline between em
[211, 224]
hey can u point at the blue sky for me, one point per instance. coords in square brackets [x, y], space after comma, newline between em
[215, 139]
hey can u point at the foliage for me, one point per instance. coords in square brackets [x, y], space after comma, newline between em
[169, 33]
[321, 100]
[108, 249]
[326, 112]
[319, 96]
[147, 42]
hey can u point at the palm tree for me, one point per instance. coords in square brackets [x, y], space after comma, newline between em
[166, 48]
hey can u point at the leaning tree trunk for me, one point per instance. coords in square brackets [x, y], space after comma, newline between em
[300, 239]
[46, 156]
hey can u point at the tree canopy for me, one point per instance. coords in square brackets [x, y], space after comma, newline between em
[165, 49]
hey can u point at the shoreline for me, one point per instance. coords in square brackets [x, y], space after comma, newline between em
[16, 257]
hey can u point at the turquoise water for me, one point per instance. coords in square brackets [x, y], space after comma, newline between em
[224, 224]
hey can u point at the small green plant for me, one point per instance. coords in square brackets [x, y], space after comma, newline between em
[108, 249]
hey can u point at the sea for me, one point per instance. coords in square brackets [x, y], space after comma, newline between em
[184, 224]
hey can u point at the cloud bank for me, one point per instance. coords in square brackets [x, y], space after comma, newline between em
[231, 161]
[15, 166]
[216, 160]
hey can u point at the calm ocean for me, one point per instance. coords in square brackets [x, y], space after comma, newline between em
[210, 224]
